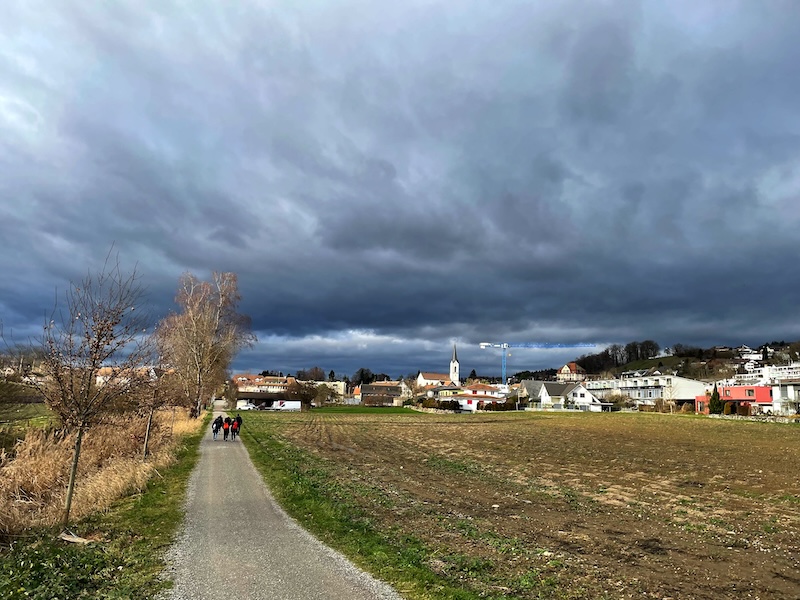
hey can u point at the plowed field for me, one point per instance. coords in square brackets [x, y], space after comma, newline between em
[575, 505]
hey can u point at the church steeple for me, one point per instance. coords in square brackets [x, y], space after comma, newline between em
[454, 375]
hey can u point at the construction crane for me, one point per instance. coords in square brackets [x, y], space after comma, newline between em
[505, 346]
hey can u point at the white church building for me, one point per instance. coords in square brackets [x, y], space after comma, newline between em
[425, 379]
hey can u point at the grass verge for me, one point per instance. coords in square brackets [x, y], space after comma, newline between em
[124, 558]
[17, 418]
[307, 489]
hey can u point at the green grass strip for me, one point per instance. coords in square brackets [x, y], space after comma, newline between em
[129, 560]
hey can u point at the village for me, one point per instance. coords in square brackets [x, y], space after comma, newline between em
[752, 387]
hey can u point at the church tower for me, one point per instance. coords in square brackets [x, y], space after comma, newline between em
[454, 368]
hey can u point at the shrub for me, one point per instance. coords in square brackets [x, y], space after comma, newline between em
[729, 408]
[429, 403]
[743, 410]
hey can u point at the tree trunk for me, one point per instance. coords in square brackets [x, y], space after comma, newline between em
[73, 474]
[147, 432]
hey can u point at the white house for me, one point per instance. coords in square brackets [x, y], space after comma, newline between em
[571, 371]
[786, 397]
[470, 402]
[554, 395]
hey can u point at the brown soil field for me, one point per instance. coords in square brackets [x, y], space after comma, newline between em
[535, 505]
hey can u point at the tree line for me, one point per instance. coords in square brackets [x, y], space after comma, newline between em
[617, 355]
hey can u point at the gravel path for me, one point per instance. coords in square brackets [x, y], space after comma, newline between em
[237, 542]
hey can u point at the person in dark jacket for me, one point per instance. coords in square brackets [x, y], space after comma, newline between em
[216, 426]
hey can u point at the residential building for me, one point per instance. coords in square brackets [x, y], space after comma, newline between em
[484, 389]
[786, 396]
[266, 384]
[554, 395]
[571, 372]
[385, 393]
[769, 374]
[758, 397]
[471, 402]
[645, 387]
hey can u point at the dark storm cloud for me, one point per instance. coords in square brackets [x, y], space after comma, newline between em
[386, 177]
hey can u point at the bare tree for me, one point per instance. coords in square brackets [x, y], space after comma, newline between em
[200, 341]
[160, 388]
[92, 347]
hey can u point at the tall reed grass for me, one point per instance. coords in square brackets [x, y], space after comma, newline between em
[33, 482]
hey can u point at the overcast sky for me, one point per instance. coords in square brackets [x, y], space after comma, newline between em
[389, 178]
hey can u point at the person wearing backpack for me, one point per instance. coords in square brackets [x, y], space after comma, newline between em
[226, 424]
[216, 426]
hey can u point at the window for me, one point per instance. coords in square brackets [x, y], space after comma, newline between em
[727, 393]
[751, 393]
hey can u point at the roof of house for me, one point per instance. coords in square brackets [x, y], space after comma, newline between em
[482, 387]
[553, 388]
[475, 397]
[435, 376]
[574, 367]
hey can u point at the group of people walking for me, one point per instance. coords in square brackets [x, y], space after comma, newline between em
[229, 427]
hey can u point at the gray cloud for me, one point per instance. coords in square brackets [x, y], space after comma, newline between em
[412, 173]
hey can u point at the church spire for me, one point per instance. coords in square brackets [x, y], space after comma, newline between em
[454, 370]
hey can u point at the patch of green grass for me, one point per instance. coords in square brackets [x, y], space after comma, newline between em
[747, 493]
[362, 410]
[13, 412]
[17, 418]
[126, 561]
[771, 526]
[793, 498]
[447, 465]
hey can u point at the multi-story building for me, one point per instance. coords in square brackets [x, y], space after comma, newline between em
[769, 374]
[264, 384]
[644, 388]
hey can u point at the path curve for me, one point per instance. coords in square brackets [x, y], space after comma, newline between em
[237, 542]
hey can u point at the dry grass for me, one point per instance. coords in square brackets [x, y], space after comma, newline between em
[33, 483]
